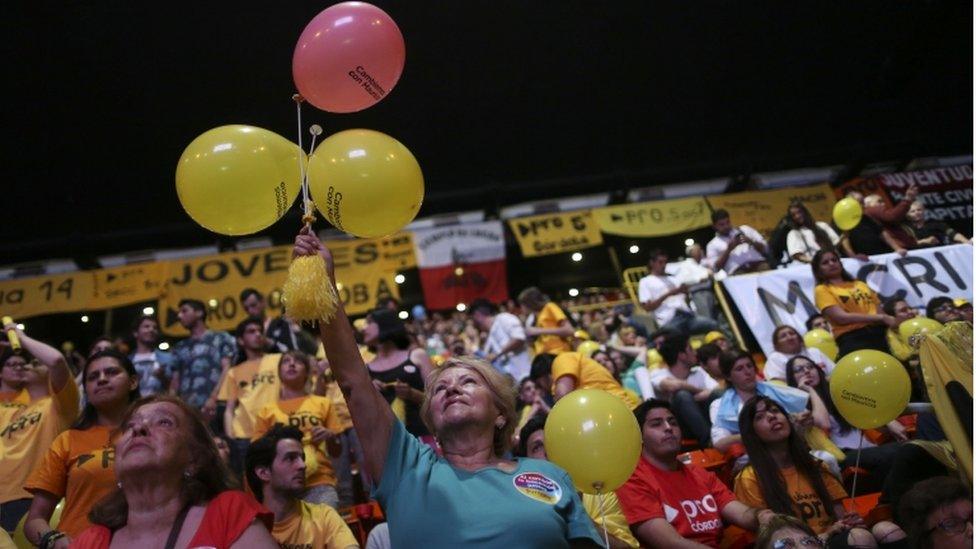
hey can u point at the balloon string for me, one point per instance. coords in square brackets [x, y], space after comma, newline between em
[307, 215]
[857, 467]
[603, 517]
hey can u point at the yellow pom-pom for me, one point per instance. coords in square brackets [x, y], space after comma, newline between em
[308, 293]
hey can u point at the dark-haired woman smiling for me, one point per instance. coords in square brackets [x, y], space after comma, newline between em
[80, 464]
[783, 477]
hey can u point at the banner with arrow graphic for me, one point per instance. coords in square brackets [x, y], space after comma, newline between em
[658, 218]
[556, 233]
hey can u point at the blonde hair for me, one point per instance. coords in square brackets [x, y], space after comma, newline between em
[503, 397]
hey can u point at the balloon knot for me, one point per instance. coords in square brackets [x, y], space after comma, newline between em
[297, 98]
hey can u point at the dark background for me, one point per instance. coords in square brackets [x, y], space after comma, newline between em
[501, 102]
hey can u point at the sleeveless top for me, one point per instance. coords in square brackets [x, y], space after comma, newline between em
[409, 373]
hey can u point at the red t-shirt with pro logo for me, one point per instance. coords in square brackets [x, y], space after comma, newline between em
[690, 499]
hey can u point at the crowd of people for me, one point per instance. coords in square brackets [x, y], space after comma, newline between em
[258, 438]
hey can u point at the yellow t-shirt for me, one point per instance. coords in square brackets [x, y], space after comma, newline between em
[589, 374]
[315, 526]
[853, 297]
[26, 434]
[305, 413]
[253, 384]
[615, 520]
[806, 504]
[80, 467]
[549, 317]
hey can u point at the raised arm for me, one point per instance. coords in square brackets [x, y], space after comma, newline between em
[47, 355]
[370, 413]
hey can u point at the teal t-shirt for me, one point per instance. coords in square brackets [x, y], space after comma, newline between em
[428, 503]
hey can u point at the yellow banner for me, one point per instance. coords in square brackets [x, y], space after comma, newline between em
[27, 297]
[659, 218]
[762, 210]
[555, 233]
[128, 284]
[364, 272]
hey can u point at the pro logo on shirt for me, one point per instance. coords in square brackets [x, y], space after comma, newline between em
[707, 507]
[538, 487]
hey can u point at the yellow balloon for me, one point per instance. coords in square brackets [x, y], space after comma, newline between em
[581, 335]
[847, 213]
[820, 339]
[238, 179]
[587, 348]
[594, 436]
[917, 326]
[870, 388]
[365, 183]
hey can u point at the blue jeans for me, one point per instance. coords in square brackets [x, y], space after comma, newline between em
[686, 323]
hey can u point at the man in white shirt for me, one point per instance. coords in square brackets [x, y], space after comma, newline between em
[687, 387]
[505, 346]
[663, 295]
[154, 366]
[735, 250]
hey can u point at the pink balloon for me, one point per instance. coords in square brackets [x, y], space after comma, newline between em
[348, 57]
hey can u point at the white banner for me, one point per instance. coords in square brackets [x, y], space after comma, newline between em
[459, 244]
[785, 296]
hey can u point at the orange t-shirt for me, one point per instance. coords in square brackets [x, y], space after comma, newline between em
[253, 384]
[550, 317]
[80, 467]
[853, 297]
[227, 517]
[589, 374]
[807, 505]
[305, 413]
[26, 434]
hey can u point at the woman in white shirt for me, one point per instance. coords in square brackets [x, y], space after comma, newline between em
[788, 344]
[807, 236]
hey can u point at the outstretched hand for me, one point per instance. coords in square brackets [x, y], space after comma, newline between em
[308, 243]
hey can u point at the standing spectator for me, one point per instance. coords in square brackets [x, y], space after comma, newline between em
[670, 504]
[80, 464]
[571, 371]
[931, 232]
[282, 333]
[200, 361]
[247, 388]
[873, 235]
[317, 419]
[687, 387]
[735, 250]
[547, 324]
[505, 346]
[26, 432]
[788, 344]
[939, 513]
[276, 476]
[12, 392]
[807, 235]
[783, 476]
[698, 278]
[153, 365]
[853, 309]
[818, 321]
[661, 294]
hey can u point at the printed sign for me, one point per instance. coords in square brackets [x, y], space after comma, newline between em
[762, 210]
[659, 218]
[555, 233]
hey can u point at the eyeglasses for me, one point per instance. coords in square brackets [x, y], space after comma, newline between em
[790, 543]
[951, 525]
[803, 367]
[945, 308]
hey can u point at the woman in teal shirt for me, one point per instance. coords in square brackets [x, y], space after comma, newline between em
[470, 496]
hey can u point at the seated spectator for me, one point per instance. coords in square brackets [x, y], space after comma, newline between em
[803, 374]
[275, 467]
[854, 309]
[687, 387]
[571, 371]
[739, 371]
[938, 513]
[818, 320]
[173, 488]
[943, 309]
[29, 429]
[708, 357]
[670, 504]
[547, 326]
[788, 344]
[965, 308]
[315, 416]
[870, 236]
[787, 532]
[530, 402]
[782, 476]
[807, 235]
[541, 376]
[930, 232]
[901, 311]
[532, 444]
[660, 293]
[719, 339]
[735, 250]
[79, 465]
